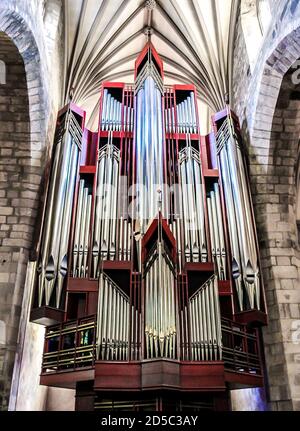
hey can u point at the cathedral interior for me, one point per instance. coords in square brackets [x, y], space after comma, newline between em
[150, 205]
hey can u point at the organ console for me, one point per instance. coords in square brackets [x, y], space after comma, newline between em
[148, 276]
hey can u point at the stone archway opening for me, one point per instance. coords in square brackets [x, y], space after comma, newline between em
[279, 241]
[16, 216]
[273, 165]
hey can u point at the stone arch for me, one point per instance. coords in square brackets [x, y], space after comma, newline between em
[23, 129]
[15, 27]
[274, 136]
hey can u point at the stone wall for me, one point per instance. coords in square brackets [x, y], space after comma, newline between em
[18, 199]
[30, 46]
[267, 106]
[28, 105]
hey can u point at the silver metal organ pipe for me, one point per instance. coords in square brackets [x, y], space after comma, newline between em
[120, 117]
[183, 114]
[192, 204]
[47, 229]
[104, 107]
[98, 212]
[190, 115]
[149, 148]
[160, 323]
[131, 119]
[205, 322]
[221, 228]
[241, 229]
[51, 264]
[166, 120]
[77, 227]
[125, 113]
[115, 116]
[217, 231]
[200, 208]
[217, 314]
[106, 203]
[53, 260]
[173, 119]
[251, 270]
[244, 238]
[66, 223]
[86, 236]
[111, 113]
[82, 230]
[192, 199]
[169, 120]
[194, 116]
[105, 125]
[179, 120]
[187, 242]
[233, 226]
[180, 116]
[211, 229]
[113, 321]
[106, 223]
[186, 118]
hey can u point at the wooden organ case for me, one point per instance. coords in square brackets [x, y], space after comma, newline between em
[148, 277]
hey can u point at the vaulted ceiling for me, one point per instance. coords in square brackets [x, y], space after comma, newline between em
[193, 37]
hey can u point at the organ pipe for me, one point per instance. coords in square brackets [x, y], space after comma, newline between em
[108, 227]
[111, 119]
[205, 322]
[113, 321]
[194, 237]
[162, 312]
[54, 260]
[82, 228]
[186, 116]
[241, 230]
[160, 309]
[149, 143]
[217, 231]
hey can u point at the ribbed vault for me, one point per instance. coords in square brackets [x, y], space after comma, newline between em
[193, 37]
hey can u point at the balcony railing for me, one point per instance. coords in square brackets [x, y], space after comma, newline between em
[72, 345]
[240, 348]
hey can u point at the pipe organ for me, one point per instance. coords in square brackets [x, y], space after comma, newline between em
[113, 328]
[194, 245]
[53, 263]
[160, 305]
[216, 231]
[244, 265]
[82, 229]
[148, 251]
[205, 323]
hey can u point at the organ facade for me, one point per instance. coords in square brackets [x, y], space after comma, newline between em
[148, 277]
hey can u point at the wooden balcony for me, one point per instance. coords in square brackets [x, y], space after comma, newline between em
[70, 345]
[70, 356]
